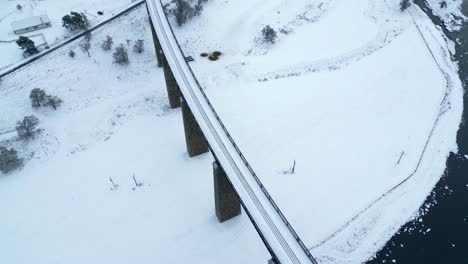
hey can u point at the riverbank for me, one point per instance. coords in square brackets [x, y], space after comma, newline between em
[465, 7]
[438, 235]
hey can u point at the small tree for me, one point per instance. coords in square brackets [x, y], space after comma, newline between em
[38, 97]
[9, 160]
[19, 7]
[71, 53]
[139, 46]
[53, 101]
[75, 21]
[27, 45]
[120, 55]
[27, 127]
[404, 4]
[269, 34]
[107, 43]
[86, 44]
[199, 7]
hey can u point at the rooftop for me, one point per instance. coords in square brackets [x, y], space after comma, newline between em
[30, 22]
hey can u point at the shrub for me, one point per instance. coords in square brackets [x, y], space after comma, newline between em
[139, 46]
[269, 34]
[40, 98]
[27, 45]
[107, 43]
[27, 127]
[9, 160]
[404, 4]
[120, 55]
[53, 101]
[71, 53]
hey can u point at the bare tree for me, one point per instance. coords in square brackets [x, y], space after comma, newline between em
[27, 127]
[9, 160]
[86, 44]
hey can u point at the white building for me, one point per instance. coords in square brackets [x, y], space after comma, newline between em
[30, 24]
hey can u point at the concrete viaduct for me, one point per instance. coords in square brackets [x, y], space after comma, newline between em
[235, 182]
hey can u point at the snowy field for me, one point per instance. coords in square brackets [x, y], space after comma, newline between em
[55, 9]
[368, 110]
[115, 122]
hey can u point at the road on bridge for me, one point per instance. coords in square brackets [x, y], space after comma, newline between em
[279, 236]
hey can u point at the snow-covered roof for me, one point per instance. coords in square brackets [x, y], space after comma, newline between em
[30, 22]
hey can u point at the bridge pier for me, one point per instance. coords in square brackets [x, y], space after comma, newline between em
[273, 261]
[227, 204]
[173, 90]
[157, 44]
[194, 137]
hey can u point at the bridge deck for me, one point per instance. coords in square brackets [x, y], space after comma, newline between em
[277, 233]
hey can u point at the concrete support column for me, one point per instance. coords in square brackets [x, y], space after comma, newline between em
[227, 204]
[273, 261]
[173, 90]
[157, 45]
[194, 137]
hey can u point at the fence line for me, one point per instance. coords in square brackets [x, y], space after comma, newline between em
[77, 36]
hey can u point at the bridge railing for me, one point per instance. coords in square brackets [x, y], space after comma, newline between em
[244, 160]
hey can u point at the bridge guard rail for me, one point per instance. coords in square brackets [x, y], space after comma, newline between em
[268, 219]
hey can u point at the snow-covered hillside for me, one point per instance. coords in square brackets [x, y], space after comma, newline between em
[114, 122]
[55, 9]
[362, 97]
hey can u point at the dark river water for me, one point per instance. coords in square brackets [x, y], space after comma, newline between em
[440, 236]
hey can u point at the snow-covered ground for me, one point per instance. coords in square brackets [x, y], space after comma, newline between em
[115, 122]
[55, 9]
[451, 13]
[365, 99]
